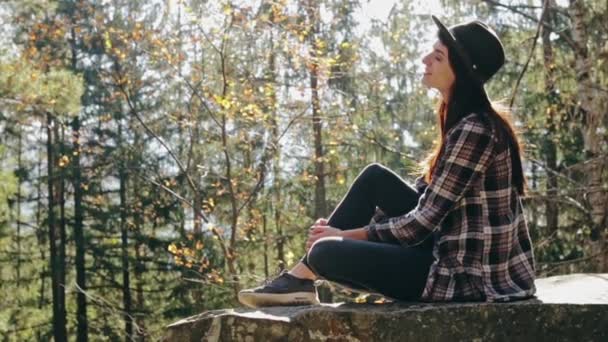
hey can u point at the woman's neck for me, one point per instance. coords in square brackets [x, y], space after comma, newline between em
[445, 96]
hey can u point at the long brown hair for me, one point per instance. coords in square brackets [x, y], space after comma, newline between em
[467, 96]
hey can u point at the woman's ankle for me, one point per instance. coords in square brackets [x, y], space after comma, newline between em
[300, 270]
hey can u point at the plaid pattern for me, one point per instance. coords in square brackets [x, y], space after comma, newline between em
[482, 245]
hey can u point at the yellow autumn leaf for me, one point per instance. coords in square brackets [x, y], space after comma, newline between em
[227, 9]
[63, 161]
[172, 248]
[380, 301]
[189, 252]
[361, 299]
[108, 41]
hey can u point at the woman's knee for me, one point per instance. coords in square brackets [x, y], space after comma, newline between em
[374, 167]
[321, 254]
[373, 170]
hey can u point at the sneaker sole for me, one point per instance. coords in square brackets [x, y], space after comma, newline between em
[255, 300]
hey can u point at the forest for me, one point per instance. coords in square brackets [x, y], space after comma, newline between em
[158, 156]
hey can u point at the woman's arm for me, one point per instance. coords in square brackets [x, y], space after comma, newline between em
[356, 234]
[468, 152]
[320, 231]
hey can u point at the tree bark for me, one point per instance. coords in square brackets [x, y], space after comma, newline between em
[60, 266]
[126, 291]
[140, 333]
[591, 100]
[41, 242]
[276, 161]
[59, 316]
[314, 18]
[550, 150]
[18, 214]
[79, 259]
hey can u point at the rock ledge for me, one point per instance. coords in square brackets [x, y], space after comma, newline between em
[567, 308]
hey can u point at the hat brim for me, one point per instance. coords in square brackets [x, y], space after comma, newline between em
[444, 31]
[451, 41]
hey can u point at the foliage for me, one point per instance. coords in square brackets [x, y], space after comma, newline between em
[184, 150]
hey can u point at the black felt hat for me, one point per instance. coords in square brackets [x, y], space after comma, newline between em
[477, 46]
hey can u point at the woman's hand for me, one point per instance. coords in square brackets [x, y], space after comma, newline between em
[320, 230]
[320, 222]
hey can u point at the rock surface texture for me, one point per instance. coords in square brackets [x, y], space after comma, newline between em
[567, 308]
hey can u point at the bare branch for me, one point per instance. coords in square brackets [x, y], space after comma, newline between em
[133, 110]
[514, 9]
[523, 71]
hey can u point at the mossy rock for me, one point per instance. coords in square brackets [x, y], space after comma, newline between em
[567, 308]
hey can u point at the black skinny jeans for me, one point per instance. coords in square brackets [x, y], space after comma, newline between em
[392, 270]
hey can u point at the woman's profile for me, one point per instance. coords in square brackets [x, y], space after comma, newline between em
[459, 233]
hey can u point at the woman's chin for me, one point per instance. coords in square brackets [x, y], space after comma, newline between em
[425, 82]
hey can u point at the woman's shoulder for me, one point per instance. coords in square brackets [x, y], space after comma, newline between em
[476, 122]
[481, 119]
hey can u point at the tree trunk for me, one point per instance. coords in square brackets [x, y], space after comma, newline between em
[140, 331]
[276, 161]
[550, 150]
[317, 124]
[230, 252]
[534, 187]
[126, 291]
[314, 20]
[139, 281]
[590, 100]
[18, 214]
[59, 319]
[265, 246]
[196, 210]
[41, 242]
[62, 222]
[80, 260]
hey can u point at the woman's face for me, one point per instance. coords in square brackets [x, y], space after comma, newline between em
[438, 73]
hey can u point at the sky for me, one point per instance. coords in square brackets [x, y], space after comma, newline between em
[379, 9]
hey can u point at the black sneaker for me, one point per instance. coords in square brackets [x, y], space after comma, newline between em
[285, 289]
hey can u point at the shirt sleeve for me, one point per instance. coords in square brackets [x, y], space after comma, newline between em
[379, 215]
[420, 184]
[468, 152]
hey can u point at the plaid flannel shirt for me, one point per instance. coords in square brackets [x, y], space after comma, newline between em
[482, 245]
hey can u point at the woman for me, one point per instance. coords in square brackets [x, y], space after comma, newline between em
[459, 234]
